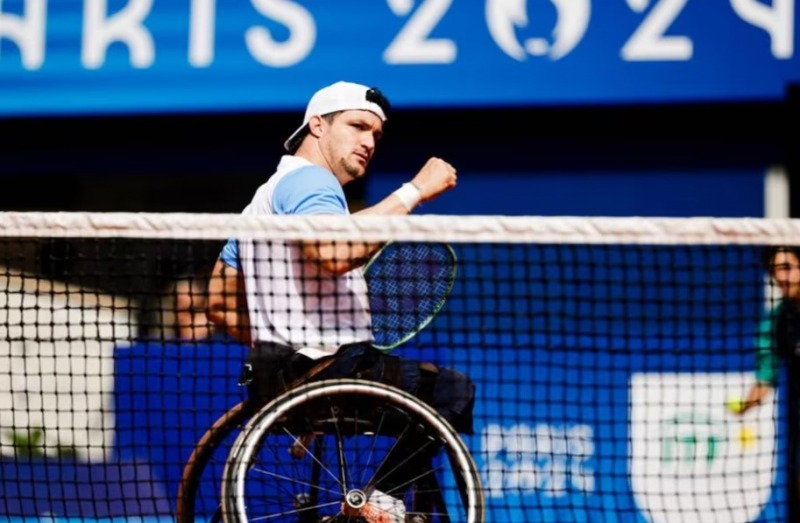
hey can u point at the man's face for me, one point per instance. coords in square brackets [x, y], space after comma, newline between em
[348, 143]
[786, 274]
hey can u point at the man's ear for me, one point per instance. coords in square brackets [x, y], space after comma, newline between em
[316, 126]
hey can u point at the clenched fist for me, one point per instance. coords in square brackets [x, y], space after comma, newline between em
[435, 177]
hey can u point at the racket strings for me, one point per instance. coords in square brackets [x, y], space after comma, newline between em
[408, 284]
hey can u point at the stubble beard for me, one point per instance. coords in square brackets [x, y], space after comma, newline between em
[354, 171]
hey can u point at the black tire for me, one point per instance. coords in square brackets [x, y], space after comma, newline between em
[204, 451]
[340, 433]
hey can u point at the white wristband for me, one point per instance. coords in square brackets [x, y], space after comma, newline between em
[409, 195]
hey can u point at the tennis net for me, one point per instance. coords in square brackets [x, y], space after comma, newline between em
[611, 358]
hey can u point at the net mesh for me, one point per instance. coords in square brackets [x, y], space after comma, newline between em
[609, 358]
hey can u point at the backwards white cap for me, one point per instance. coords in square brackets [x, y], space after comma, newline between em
[341, 96]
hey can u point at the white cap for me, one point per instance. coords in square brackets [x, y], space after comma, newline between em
[341, 96]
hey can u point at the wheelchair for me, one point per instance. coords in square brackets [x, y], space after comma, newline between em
[325, 451]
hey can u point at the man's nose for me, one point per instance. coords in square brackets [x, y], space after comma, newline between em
[368, 142]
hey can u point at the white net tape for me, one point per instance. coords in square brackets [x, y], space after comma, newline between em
[483, 229]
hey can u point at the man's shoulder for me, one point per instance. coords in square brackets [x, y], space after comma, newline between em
[310, 172]
[293, 165]
[307, 179]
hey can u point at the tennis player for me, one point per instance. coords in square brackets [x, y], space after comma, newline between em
[305, 303]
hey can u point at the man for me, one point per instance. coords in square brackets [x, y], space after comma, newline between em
[779, 339]
[779, 332]
[306, 302]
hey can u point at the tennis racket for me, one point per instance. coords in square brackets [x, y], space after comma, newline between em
[408, 284]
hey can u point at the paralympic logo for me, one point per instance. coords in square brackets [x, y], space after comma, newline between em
[503, 17]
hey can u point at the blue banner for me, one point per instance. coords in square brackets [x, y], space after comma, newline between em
[135, 56]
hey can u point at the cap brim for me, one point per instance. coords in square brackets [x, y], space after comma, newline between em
[290, 142]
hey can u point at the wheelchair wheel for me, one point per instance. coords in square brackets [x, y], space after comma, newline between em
[334, 450]
[192, 505]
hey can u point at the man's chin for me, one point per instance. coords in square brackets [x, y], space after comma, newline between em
[356, 171]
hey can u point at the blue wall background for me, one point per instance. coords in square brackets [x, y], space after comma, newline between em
[690, 192]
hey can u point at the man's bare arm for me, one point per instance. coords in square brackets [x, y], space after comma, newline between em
[758, 393]
[227, 302]
[435, 177]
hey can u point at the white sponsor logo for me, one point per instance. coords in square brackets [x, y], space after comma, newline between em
[692, 460]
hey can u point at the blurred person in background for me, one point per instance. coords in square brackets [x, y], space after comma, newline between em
[181, 314]
[284, 315]
[779, 341]
[779, 331]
